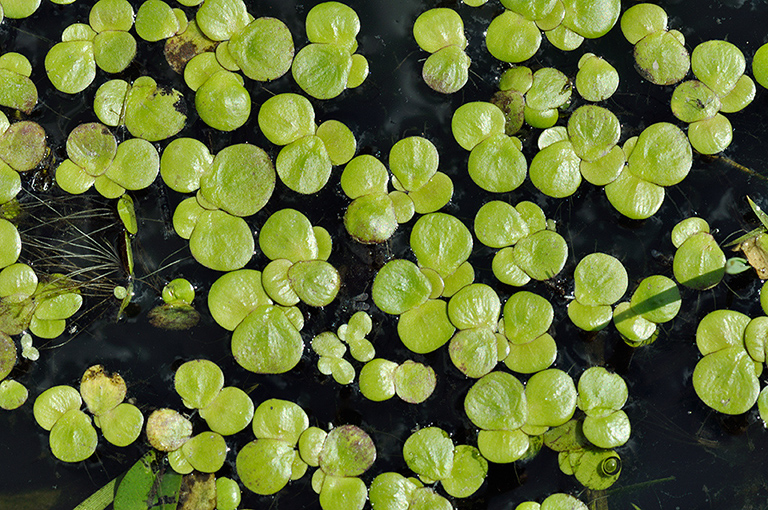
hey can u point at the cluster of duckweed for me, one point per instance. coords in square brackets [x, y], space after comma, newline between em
[96, 159]
[329, 346]
[441, 33]
[73, 437]
[374, 214]
[433, 292]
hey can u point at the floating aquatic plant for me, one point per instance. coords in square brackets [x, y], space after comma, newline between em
[436, 298]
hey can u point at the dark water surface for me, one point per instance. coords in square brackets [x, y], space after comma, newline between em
[681, 453]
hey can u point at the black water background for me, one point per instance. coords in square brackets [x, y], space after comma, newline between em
[717, 462]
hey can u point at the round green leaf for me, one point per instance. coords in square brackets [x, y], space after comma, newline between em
[710, 136]
[591, 19]
[657, 299]
[413, 162]
[498, 224]
[593, 131]
[343, 493]
[288, 234]
[429, 453]
[183, 162]
[281, 420]
[441, 242]
[167, 430]
[240, 180]
[596, 80]
[364, 175]
[555, 170]
[221, 242]
[426, 327]
[155, 20]
[607, 431]
[512, 38]
[497, 402]
[198, 382]
[338, 140]
[468, 472]
[692, 101]
[285, 118]
[661, 58]
[641, 20]
[541, 255]
[532, 357]
[399, 286]
[332, 22]
[377, 379]
[222, 102]
[718, 64]
[234, 295]
[53, 403]
[391, 491]
[122, 425]
[264, 465]
[267, 342]
[447, 70]
[263, 49]
[699, 263]
[73, 438]
[474, 122]
[322, 70]
[22, 145]
[13, 394]
[154, 112]
[304, 165]
[721, 329]
[604, 170]
[551, 397]
[71, 66]
[276, 283]
[760, 65]
[474, 306]
[135, 166]
[662, 155]
[101, 392]
[371, 218]
[347, 451]
[17, 283]
[502, 446]
[634, 329]
[474, 351]
[437, 28]
[634, 197]
[526, 316]
[316, 282]
[601, 392]
[496, 164]
[740, 96]
[414, 382]
[725, 380]
[11, 241]
[113, 50]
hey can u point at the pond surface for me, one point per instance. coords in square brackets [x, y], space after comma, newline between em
[681, 453]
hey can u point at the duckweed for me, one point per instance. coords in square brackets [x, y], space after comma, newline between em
[436, 298]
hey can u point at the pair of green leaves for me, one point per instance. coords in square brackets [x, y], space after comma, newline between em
[440, 32]
[328, 64]
[96, 159]
[431, 454]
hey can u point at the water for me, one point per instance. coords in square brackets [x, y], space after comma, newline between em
[681, 454]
